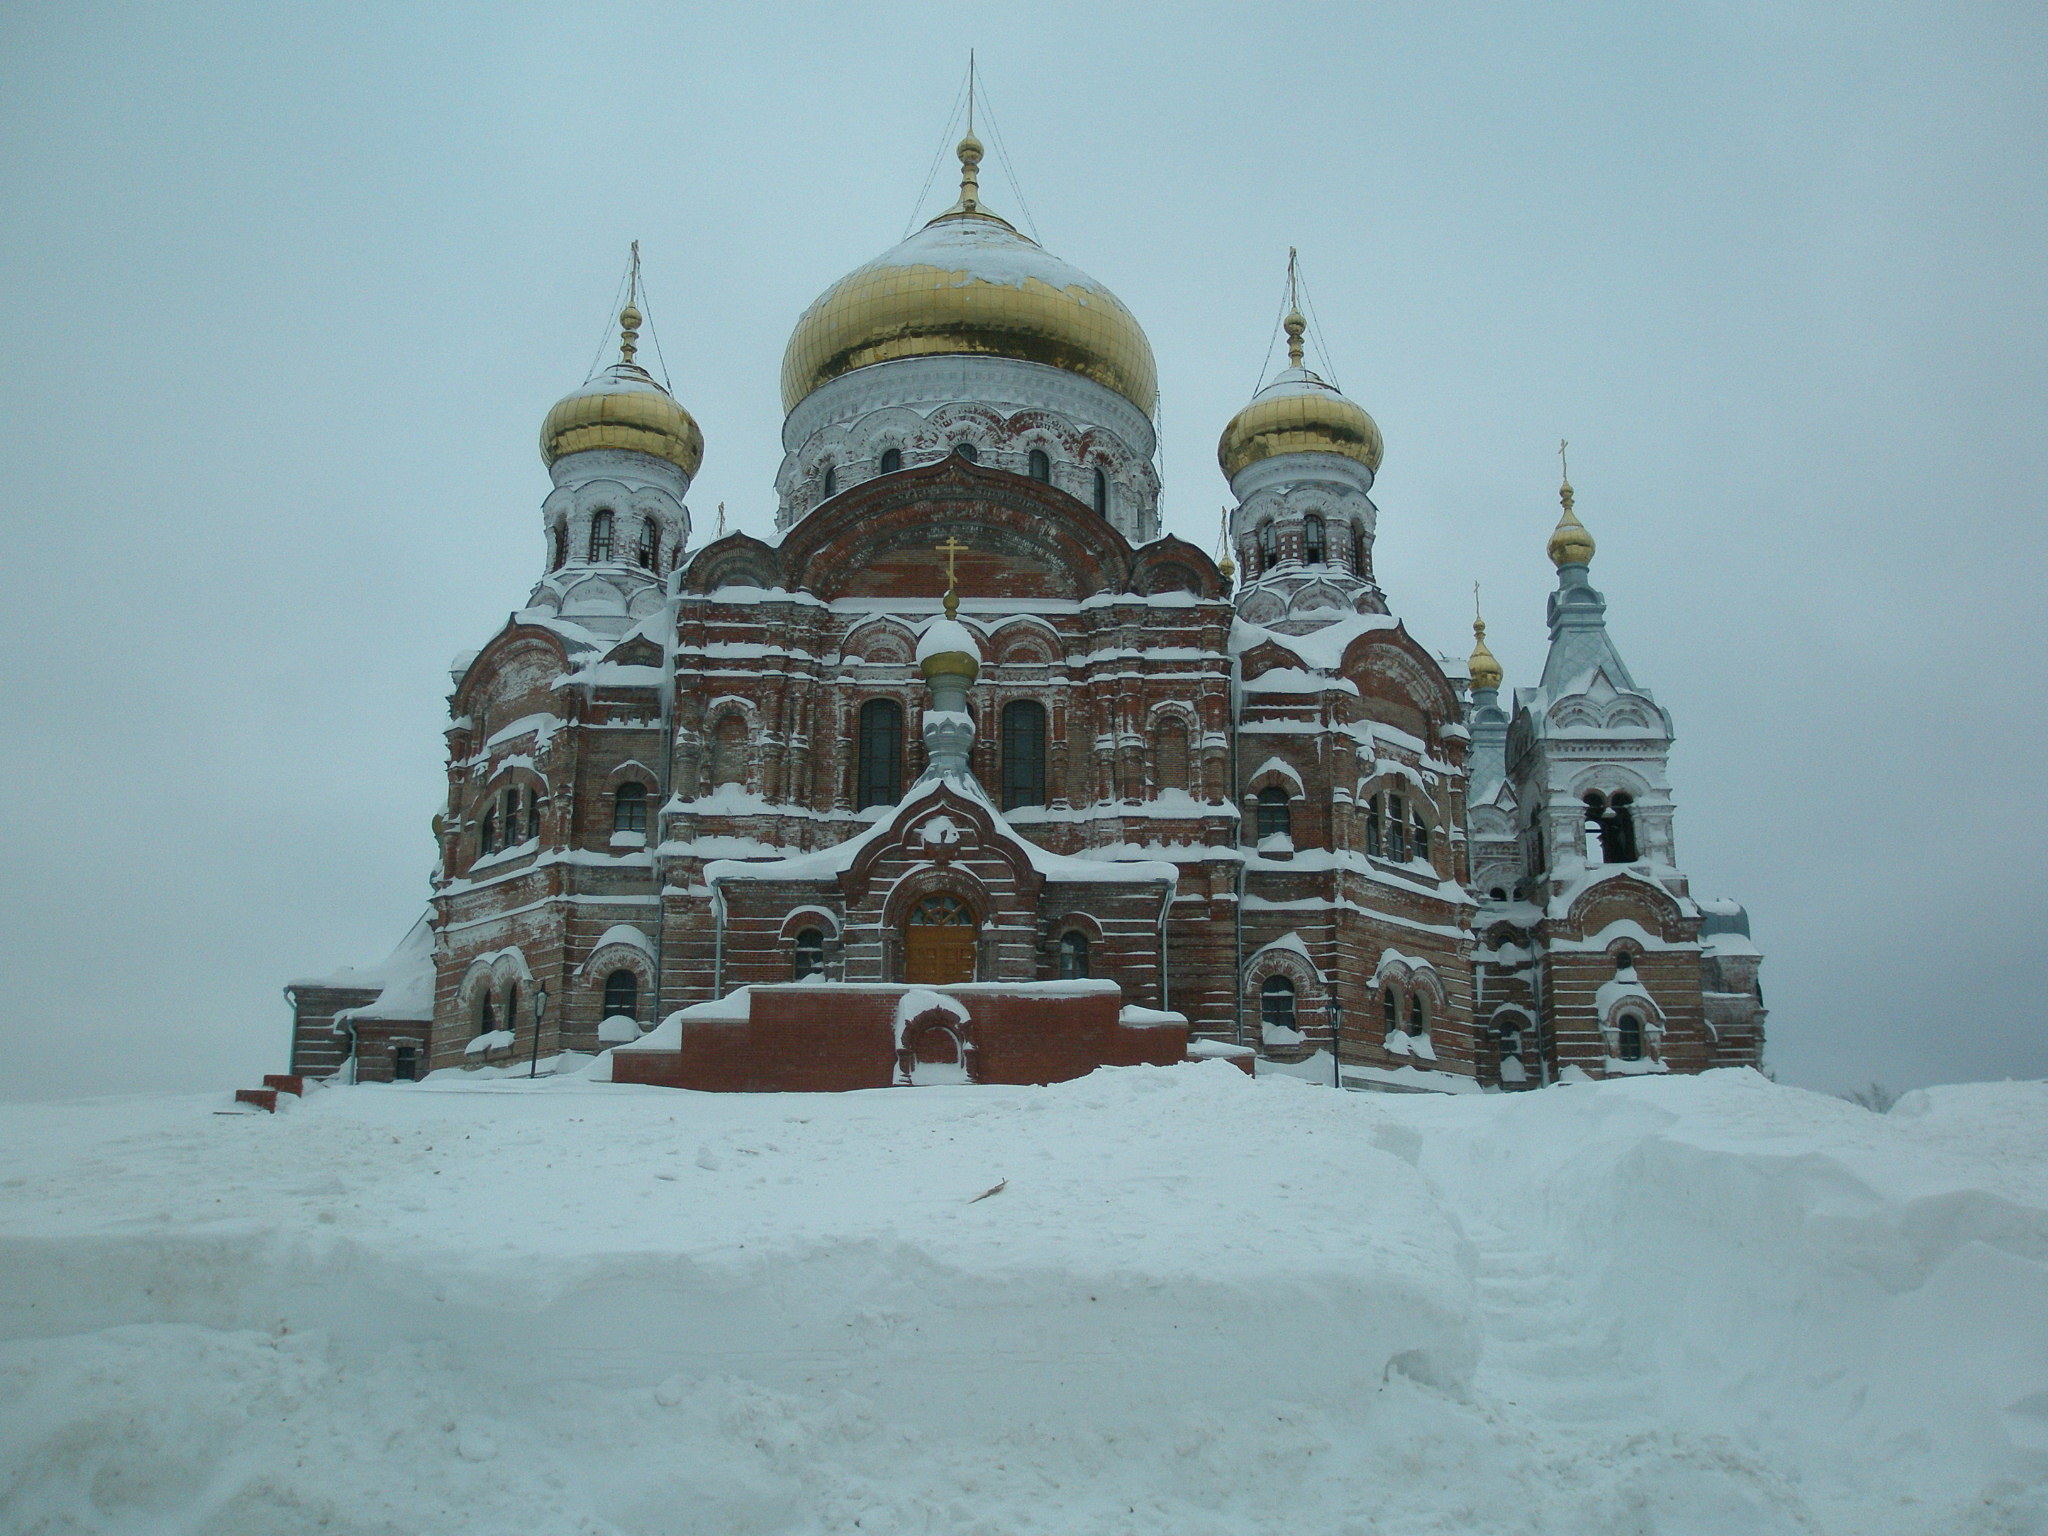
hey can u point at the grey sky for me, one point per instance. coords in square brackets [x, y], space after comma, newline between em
[285, 291]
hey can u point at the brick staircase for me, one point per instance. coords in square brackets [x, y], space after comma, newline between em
[274, 1083]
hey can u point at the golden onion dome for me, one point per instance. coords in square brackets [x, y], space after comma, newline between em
[1298, 413]
[968, 284]
[623, 407]
[1570, 544]
[1485, 670]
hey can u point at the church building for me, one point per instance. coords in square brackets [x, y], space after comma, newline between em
[969, 716]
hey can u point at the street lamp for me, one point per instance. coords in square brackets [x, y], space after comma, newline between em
[1336, 1025]
[540, 1008]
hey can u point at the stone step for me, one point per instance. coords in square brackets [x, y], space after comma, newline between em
[285, 1082]
[262, 1098]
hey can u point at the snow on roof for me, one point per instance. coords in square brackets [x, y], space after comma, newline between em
[627, 934]
[946, 636]
[405, 979]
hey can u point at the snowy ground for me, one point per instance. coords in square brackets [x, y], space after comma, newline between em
[1198, 1305]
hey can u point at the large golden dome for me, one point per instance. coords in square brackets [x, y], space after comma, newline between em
[970, 284]
[622, 407]
[1298, 413]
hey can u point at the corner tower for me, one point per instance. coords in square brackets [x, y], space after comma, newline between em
[1301, 459]
[622, 454]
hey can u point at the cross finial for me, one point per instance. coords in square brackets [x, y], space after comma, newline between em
[952, 549]
[721, 519]
[1294, 324]
[1564, 490]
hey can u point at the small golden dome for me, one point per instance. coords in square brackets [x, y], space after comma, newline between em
[1486, 671]
[1299, 413]
[1570, 544]
[970, 284]
[623, 408]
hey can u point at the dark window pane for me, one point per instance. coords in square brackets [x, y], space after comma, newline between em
[622, 995]
[810, 953]
[1101, 493]
[1274, 814]
[1073, 956]
[1276, 1003]
[891, 461]
[629, 808]
[601, 536]
[1023, 754]
[1041, 466]
[881, 753]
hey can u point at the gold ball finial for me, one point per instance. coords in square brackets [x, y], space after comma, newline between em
[1296, 327]
[629, 332]
[970, 175]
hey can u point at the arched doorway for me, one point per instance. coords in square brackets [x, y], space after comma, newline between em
[939, 940]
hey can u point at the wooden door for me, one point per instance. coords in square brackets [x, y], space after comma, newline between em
[939, 942]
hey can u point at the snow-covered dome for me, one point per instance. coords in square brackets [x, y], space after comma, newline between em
[1299, 413]
[969, 283]
[947, 645]
[623, 407]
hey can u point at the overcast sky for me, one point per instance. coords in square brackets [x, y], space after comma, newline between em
[286, 290]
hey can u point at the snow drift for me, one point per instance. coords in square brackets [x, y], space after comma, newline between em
[1197, 1303]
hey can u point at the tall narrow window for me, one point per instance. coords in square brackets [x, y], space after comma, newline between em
[829, 486]
[1397, 829]
[622, 995]
[1593, 832]
[561, 548]
[1374, 844]
[1170, 753]
[1101, 494]
[1390, 1010]
[890, 461]
[486, 1020]
[629, 808]
[968, 452]
[1619, 829]
[1023, 753]
[650, 543]
[1073, 956]
[729, 751]
[1312, 539]
[512, 1006]
[512, 798]
[810, 954]
[1276, 1003]
[487, 834]
[1269, 545]
[1275, 817]
[1418, 1015]
[881, 753]
[1041, 466]
[532, 814]
[1421, 830]
[600, 536]
[1629, 1037]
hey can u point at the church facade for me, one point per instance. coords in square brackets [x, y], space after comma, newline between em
[970, 716]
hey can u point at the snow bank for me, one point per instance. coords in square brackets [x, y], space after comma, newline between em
[1172, 1299]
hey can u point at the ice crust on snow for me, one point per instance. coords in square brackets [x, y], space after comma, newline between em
[1200, 1303]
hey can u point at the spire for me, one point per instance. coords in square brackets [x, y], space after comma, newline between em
[951, 549]
[1294, 324]
[1486, 671]
[1224, 563]
[1570, 544]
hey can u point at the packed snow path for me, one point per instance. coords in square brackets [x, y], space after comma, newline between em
[1196, 1304]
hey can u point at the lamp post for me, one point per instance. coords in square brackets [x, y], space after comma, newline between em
[1336, 1025]
[540, 1008]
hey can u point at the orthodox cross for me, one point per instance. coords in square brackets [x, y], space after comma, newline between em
[952, 549]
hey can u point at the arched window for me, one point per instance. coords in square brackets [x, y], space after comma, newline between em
[1397, 829]
[881, 753]
[601, 535]
[829, 486]
[890, 461]
[1275, 817]
[968, 452]
[532, 814]
[1170, 753]
[1073, 956]
[1361, 551]
[1390, 1009]
[1101, 494]
[729, 751]
[1620, 829]
[486, 1020]
[512, 1006]
[487, 833]
[1312, 539]
[1593, 834]
[1421, 830]
[1418, 1015]
[512, 816]
[810, 954]
[629, 808]
[560, 555]
[1041, 466]
[1023, 753]
[1629, 1037]
[622, 995]
[1276, 1003]
[1375, 844]
[650, 543]
[1269, 544]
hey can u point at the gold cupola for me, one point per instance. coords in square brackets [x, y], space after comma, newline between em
[1298, 413]
[623, 407]
[1570, 544]
[1485, 670]
[969, 284]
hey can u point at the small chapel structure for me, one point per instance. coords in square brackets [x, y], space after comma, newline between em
[970, 720]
